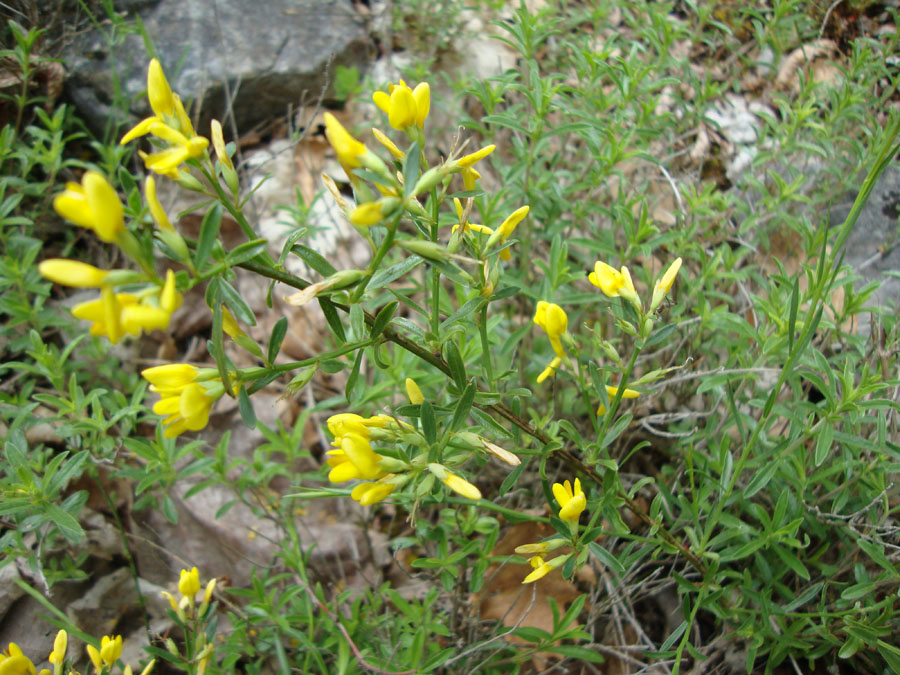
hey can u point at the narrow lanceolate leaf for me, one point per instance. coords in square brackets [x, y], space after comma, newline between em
[457, 367]
[823, 442]
[209, 230]
[313, 259]
[429, 427]
[279, 330]
[354, 375]
[246, 408]
[332, 317]
[462, 408]
[383, 318]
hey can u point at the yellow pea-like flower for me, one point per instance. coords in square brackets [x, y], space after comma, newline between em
[189, 582]
[371, 493]
[664, 284]
[72, 273]
[413, 392]
[218, 140]
[159, 92]
[571, 500]
[541, 569]
[461, 486]
[94, 205]
[348, 149]
[467, 161]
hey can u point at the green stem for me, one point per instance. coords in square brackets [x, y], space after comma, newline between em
[486, 347]
[248, 374]
[620, 390]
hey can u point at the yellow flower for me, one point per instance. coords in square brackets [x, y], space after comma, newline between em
[170, 123]
[550, 370]
[413, 392]
[541, 569]
[189, 582]
[461, 486]
[607, 278]
[162, 102]
[366, 215]
[184, 402]
[58, 655]
[105, 313]
[553, 319]
[118, 314]
[354, 459]
[372, 493]
[218, 140]
[664, 284]
[14, 662]
[208, 591]
[348, 149]
[72, 273]
[389, 144]
[467, 161]
[156, 209]
[469, 176]
[572, 500]
[109, 652]
[230, 324]
[405, 107]
[94, 205]
[507, 227]
[612, 391]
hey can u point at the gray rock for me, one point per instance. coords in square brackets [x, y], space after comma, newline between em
[265, 55]
[873, 247]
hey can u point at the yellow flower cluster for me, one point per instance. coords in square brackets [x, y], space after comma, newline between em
[187, 395]
[617, 283]
[500, 235]
[14, 662]
[115, 314]
[189, 585]
[352, 457]
[169, 124]
[572, 504]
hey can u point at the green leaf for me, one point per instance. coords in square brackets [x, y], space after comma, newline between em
[313, 259]
[246, 408]
[617, 428]
[279, 330]
[457, 367]
[237, 304]
[608, 559]
[353, 378]
[461, 414]
[65, 522]
[168, 509]
[511, 479]
[383, 318]
[331, 316]
[792, 315]
[209, 230]
[411, 168]
[429, 427]
[385, 276]
[246, 251]
[823, 442]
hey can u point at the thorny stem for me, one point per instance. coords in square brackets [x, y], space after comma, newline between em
[502, 410]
